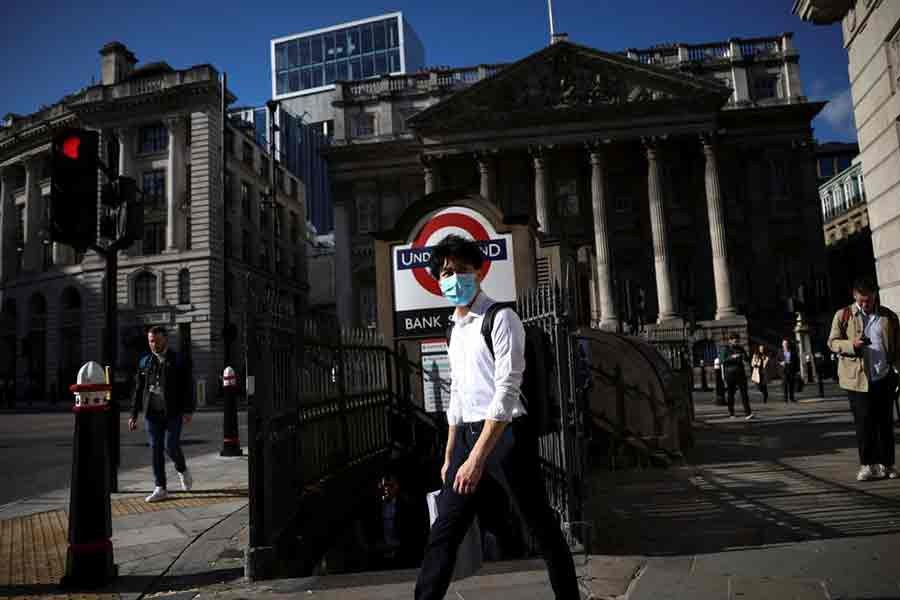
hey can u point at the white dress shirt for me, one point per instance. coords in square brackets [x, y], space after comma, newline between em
[874, 352]
[484, 387]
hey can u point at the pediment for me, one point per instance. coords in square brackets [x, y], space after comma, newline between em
[566, 82]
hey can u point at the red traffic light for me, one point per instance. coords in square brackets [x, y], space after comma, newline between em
[70, 147]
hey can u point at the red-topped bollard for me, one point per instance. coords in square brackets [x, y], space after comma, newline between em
[89, 560]
[231, 440]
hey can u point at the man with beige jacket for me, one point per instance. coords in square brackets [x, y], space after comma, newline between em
[866, 337]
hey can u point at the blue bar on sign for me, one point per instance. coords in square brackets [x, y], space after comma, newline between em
[415, 258]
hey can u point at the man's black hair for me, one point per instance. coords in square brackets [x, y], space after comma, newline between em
[158, 330]
[865, 285]
[460, 248]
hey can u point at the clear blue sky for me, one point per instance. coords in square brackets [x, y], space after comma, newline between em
[50, 48]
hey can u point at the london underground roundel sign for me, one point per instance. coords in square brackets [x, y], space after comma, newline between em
[419, 306]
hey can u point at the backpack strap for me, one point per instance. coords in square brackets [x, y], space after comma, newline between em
[845, 318]
[487, 324]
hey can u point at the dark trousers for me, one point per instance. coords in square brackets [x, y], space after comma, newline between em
[514, 465]
[763, 388]
[788, 382]
[165, 435]
[737, 381]
[873, 415]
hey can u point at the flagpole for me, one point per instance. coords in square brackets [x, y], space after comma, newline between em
[550, 10]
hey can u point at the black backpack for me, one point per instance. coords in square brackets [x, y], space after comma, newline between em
[537, 391]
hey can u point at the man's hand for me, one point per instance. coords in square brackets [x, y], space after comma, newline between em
[468, 476]
[132, 424]
[187, 418]
[860, 343]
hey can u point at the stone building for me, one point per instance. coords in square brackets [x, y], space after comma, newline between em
[209, 234]
[871, 31]
[671, 183]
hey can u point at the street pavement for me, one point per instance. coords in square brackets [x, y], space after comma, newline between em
[762, 509]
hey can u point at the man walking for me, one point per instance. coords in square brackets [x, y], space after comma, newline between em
[733, 357]
[489, 435]
[866, 336]
[789, 361]
[163, 389]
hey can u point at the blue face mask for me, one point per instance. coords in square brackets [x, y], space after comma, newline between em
[459, 288]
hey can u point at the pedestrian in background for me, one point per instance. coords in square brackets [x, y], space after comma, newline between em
[866, 337]
[789, 362]
[733, 357]
[760, 371]
[162, 388]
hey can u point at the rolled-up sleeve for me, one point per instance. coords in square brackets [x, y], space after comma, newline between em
[508, 339]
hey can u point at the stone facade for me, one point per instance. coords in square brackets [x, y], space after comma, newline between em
[871, 31]
[670, 195]
[164, 127]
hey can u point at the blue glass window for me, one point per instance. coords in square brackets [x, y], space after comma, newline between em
[304, 53]
[281, 57]
[317, 79]
[368, 67]
[381, 63]
[292, 54]
[393, 39]
[340, 45]
[315, 49]
[343, 70]
[353, 41]
[379, 36]
[328, 38]
[356, 68]
[329, 73]
[366, 32]
[282, 85]
[294, 80]
[394, 60]
[305, 79]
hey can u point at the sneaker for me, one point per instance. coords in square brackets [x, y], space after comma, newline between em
[878, 471]
[865, 473]
[159, 494]
[749, 417]
[890, 473]
[186, 480]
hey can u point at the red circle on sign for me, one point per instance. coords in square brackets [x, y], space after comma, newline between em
[460, 221]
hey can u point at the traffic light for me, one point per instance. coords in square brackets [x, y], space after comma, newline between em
[73, 190]
[124, 219]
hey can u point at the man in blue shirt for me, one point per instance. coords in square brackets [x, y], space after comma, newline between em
[489, 436]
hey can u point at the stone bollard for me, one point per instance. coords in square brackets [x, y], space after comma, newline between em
[231, 440]
[89, 559]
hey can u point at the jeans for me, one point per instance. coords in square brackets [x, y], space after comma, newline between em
[514, 465]
[165, 434]
[873, 416]
[788, 382]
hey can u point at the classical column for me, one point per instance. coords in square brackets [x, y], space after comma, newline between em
[488, 176]
[7, 226]
[174, 168]
[660, 234]
[539, 156]
[34, 215]
[430, 171]
[608, 317]
[724, 304]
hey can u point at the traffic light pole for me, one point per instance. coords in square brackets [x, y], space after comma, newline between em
[110, 357]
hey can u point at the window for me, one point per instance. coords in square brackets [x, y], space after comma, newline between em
[154, 238]
[364, 125]
[188, 134]
[184, 286]
[245, 199]
[228, 243]
[153, 138]
[229, 142]
[264, 166]
[826, 167]
[227, 192]
[188, 225]
[765, 87]
[153, 184]
[145, 289]
[247, 153]
[366, 212]
[245, 247]
[367, 305]
[843, 162]
[567, 197]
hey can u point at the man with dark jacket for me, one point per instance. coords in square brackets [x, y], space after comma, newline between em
[733, 357]
[162, 388]
[789, 361]
[397, 529]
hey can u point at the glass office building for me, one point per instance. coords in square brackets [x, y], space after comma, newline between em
[313, 61]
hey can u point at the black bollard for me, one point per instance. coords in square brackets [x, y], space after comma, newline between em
[820, 366]
[809, 369]
[89, 559]
[720, 387]
[704, 384]
[231, 440]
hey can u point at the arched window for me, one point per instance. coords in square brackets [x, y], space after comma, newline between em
[145, 289]
[184, 287]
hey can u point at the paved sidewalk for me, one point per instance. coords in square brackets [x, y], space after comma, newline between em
[187, 538]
